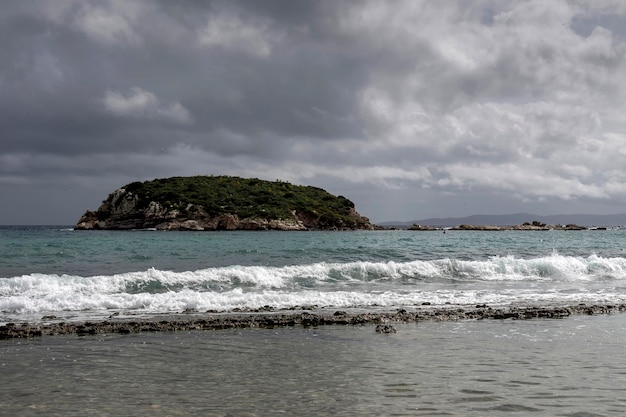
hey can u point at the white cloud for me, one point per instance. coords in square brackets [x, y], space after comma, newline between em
[115, 23]
[139, 103]
[255, 37]
[110, 26]
[517, 105]
[110, 22]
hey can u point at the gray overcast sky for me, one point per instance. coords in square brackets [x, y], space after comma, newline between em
[412, 109]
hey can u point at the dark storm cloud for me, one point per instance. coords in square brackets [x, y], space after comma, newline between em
[410, 99]
[61, 80]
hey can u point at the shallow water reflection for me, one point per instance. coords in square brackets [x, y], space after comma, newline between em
[571, 367]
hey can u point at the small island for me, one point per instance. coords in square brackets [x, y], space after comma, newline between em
[222, 203]
[535, 225]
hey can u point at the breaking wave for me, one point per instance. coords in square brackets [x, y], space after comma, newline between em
[352, 284]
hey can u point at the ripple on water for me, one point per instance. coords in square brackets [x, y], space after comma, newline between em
[328, 370]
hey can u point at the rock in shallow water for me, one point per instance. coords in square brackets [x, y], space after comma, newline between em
[385, 328]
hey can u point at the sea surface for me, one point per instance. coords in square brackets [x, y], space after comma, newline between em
[89, 274]
[569, 367]
[573, 367]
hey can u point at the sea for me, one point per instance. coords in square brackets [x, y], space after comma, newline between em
[546, 367]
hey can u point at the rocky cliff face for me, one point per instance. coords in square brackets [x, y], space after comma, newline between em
[121, 211]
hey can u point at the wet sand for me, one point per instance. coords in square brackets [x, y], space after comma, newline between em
[269, 318]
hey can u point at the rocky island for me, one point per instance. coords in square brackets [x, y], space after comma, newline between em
[222, 203]
[535, 225]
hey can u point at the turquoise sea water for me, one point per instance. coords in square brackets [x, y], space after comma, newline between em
[78, 274]
[571, 367]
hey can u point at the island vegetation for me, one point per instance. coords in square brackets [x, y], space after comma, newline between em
[222, 202]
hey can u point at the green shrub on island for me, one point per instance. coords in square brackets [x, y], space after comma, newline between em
[241, 196]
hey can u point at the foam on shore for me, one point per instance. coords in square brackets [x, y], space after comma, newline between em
[544, 280]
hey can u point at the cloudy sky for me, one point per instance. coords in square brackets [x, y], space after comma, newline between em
[411, 109]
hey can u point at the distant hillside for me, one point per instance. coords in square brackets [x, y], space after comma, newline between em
[588, 220]
[222, 203]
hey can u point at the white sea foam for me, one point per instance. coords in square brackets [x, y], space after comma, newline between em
[499, 280]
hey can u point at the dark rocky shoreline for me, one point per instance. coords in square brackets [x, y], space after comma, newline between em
[534, 226]
[266, 318]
